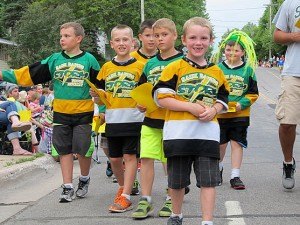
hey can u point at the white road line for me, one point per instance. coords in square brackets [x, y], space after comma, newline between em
[233, 208]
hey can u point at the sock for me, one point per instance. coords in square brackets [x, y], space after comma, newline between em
[235, 173]
[179, 215]
[126, 196]
[68, 185]
[149, 199]
[291, 162]
[84, 178]
[168, 198]
[207, 223]
[220, 166]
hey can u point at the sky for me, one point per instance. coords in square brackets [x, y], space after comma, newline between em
[229, 14]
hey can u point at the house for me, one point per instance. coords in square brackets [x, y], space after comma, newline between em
[4, 57]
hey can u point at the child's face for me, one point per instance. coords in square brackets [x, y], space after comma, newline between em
[147, 39]
[234, 53]
[164, 39]
[68, 40]
[197, 40]
[121, 42]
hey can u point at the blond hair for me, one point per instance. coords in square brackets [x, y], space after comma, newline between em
[78, 28]
[165, 23]
[122, 27]
[197, 21]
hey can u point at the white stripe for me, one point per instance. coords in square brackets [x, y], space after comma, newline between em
[123, 115]
[233, 208]
[191, 129]
[162, 91]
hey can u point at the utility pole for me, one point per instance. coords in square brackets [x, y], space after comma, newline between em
[142, 11]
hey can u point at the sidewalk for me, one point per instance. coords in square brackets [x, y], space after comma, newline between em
[13, 166]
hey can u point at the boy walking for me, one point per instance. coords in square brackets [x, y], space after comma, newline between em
[123, 120]
[73, 106]
[193, 92]
[243, 93]
[151, 134]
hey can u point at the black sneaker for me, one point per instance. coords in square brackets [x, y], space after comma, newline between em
[109, 171]
[237, 184]
[221, 177]
[83, 187]
[67, 194]
[288, 180]
[174, 220]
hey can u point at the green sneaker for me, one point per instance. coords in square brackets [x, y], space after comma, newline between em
[143, 210]
[166, 210]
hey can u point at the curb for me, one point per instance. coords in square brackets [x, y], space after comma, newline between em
[16, 170]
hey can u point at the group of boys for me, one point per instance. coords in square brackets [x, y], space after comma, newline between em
[183, 131]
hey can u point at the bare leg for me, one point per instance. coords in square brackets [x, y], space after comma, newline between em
[117, 167]
[236, 155]
[17, 149]
[222, 151]
[207, 198]
[147, 176]
[85, 164]
[287, 136]
[66, 164]
[130, 172]
[177, 200]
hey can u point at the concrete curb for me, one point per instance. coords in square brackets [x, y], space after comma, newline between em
[17, 170]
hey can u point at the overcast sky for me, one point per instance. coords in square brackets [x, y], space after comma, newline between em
[229, 14]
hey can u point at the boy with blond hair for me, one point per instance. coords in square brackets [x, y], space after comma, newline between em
[193, 92]
[151, 134]
[123, 120]
[73, 106]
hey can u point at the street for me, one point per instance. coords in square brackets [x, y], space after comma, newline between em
[33, 199]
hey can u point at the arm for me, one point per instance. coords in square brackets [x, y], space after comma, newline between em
[285, 38]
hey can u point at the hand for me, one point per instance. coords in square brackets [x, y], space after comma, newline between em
[208, 114]
[141, 108]
[238, 107]
[196, 109]
[93, 93]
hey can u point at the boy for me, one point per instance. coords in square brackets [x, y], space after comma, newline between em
[148, 49]
[123, 120]
[193, 92]
[165, 35]
[73, 106]
[243, 93]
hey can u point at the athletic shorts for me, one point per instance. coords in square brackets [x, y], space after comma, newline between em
[72, 139]
[235, 133]
[288, 106]
[152, 144]
[118, 146]
[206, 170]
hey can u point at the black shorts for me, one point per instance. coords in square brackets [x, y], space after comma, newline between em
[117, 146]
[206, 170]
[235, 133]
[72, 139]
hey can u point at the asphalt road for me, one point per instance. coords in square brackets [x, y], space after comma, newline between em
[33, 199]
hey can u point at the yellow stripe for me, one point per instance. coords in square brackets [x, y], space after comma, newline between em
[73, 106]
[23, 76]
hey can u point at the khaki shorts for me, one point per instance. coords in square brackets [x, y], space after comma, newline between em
[288, 106]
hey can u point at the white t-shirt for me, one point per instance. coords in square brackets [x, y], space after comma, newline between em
[285, 20]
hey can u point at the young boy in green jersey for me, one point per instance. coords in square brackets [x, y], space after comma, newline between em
[243, 93]
[165, 35]
[193, 92]
[148, 48]
[73, 106]
[123, 120]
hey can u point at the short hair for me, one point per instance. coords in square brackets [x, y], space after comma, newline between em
[122, 27]
[197, 21]
[136, 43]
[78, 28]
[165, 23]
[146, 24]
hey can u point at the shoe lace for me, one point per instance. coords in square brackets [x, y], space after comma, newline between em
[81, 184]
[176, 220]
[122, 201]
[289, 170]
[66, 190]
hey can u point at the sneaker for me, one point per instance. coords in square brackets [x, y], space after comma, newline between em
[174, 220]
[135, 188]
[83, 187]
[109, 171]
[67, 194]
[288, 180]
[237, 184]
[114, 180]
[143, 209]
[122, 204]
[166, 210]
[221, 177]
[119, 193]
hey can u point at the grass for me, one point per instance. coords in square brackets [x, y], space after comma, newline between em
[26, 159]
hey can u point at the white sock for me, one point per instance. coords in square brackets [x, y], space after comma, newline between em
[220, 166]
[68, 185]
[235, 173]
[179, 215]
[291, 162]
[149, 199]
[84, 178]
[126, 196]
[207, 223]
[168, 198]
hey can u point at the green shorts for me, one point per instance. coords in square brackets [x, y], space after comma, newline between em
[152, 143]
